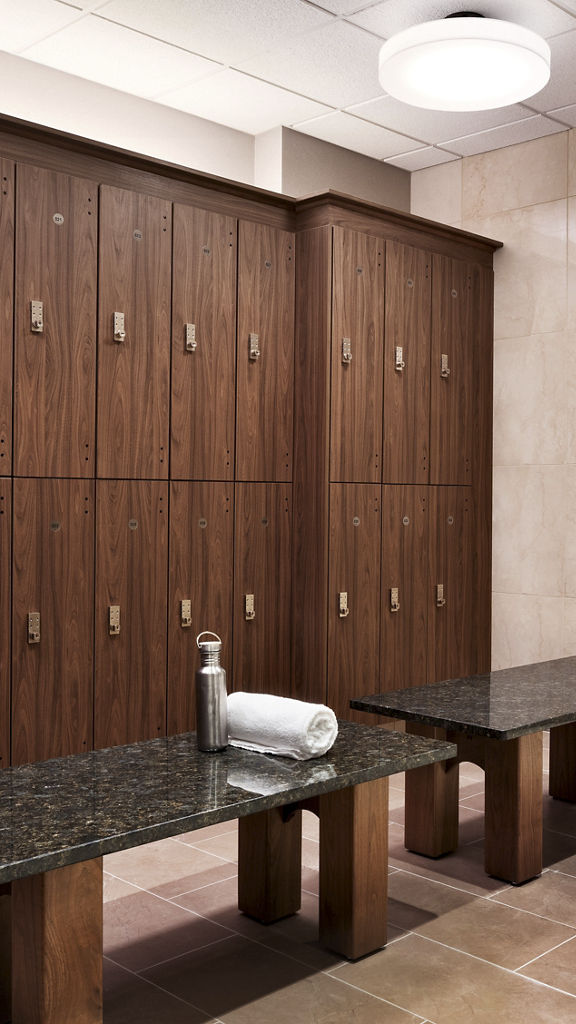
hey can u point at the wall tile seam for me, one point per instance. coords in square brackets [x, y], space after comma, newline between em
[529, 593]
[466, 222]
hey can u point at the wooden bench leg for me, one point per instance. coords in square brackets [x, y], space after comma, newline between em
[5, 954]
[513, 814]
[431, 802]
[57, 946]
[354, 868]
[563, 762]
[270, 864]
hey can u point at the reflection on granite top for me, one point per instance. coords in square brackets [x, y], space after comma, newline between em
[503, 704]
[73, 808]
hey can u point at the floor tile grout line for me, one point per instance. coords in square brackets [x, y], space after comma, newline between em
[178, 839]
[146, 981]
[169, 902]
[541, 917]
[187, 952]
[380, 999]
[447, 885]
[571, 938]
[191, 846]
[200, 888]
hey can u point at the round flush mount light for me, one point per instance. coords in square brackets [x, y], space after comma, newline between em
[464, 62]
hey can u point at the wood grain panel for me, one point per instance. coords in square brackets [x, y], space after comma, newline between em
[5, 588]
[53, 574]
[134, 374]
[407, 390]
[483, 317]
[270, 865]
[513, 808]
[265, 386]
[57, 946]
[56, 263]
[405, 538]
[5, 955]
[201, 570]
[431, 800]
[132, 572]
[452, 401]
[262, 559]
[562, 783]
[450, 627]
[203, 382]
[357, 387]
[354, 641]
[6, 312]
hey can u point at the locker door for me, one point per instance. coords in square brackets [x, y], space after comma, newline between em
[353, 596]
[5, 578]
[6, 312]
[203, 356]
[55, 363]
[133, 353]
[452, 382]
[53, 576]
[262, 572]
[201, 572]
[131, 606]
[265, 353]
[357, 386]
[405, 525]
[451, 611]
[406, 365]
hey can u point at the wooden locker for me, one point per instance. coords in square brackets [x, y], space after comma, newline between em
[265, 353]
[131, 611]
[451, 610]
[353, 596]
[405, 539]
[52, 659]
[262, 564]
[406, 365]
[357, 357]
[453, 381]
[201, 572]
[203, 345]
[55, 361]
[134, 352]
[5, 581]
[6, 312]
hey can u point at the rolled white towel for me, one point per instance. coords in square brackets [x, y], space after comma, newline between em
[280, 725]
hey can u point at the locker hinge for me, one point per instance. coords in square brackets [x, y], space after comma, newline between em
[254, 347]
[119, 327]
[33, 627]
[186, 613]
[440, 599]
[444, 368]
[37, 316]
[249, 612]
[346, 351]
[394, 600]
[399, 363]
[114, 619]
[343, 609]
[190, 334]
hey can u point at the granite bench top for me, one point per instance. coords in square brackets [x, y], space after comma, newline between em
[70, 809]
[502, 705]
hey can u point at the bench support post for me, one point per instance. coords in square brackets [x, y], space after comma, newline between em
[270, 864]
[5, 954]
[431, 815]
[513, 812]
[563, 762]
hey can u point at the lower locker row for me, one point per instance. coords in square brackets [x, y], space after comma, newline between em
[103, 648]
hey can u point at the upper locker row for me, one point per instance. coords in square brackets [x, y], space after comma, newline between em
[185, 318]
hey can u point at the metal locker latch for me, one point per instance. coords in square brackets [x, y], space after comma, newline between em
[119, 331]
[394, 600]
[343, 609]
[444, 368]
[186, 613]
[254, 350]
[33, 627]
[399, 363]
[114, 619]
[249, 612]
[346, 351]
[440, 599]
[190, 337]
[37, 316]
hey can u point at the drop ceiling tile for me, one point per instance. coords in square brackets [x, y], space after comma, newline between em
[23, 22]
[224, 30]
[561, 89]
[342, 7]
[434, 125]
[360, 136]
[393, 16]
[506, 135]
[566, 115]
[85, 5]
[242, 102]
[102, 52]
[337, 64]
[420, 158]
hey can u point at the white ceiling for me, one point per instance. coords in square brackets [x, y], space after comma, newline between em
[256, 64]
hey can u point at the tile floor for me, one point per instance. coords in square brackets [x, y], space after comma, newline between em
[462, 947]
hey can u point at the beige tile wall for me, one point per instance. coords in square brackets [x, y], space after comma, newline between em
[525, 196]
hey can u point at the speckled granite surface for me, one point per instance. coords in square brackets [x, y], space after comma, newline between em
[501, 704]
[70, 809]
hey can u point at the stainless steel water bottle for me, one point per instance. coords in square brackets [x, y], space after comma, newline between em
[211, 709]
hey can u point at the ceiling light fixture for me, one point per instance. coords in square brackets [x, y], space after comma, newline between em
[464, 62]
